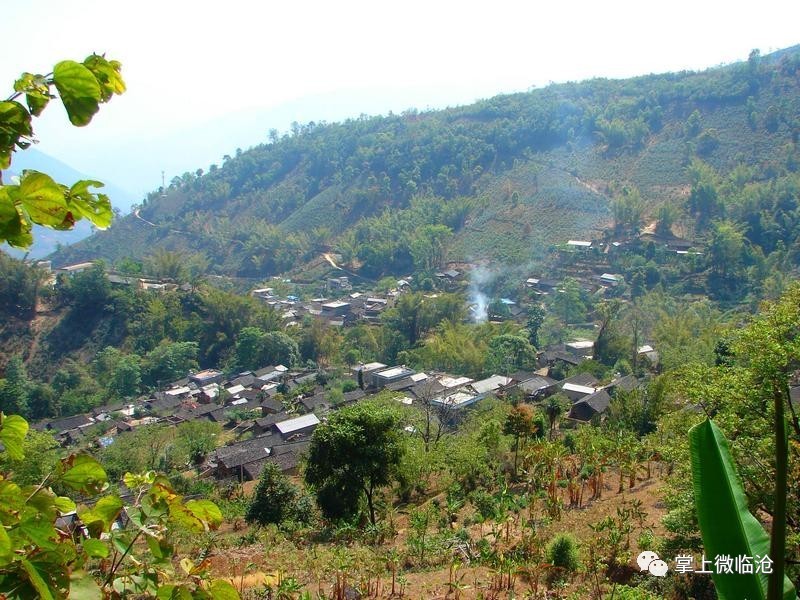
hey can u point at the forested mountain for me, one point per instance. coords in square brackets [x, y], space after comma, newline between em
[503, 179]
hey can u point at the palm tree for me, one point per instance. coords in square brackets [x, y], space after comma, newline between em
[553, 408]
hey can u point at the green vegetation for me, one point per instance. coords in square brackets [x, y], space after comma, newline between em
[694, 176]
[504, 179]
[37, 560]
[37, 198]
[352, 456]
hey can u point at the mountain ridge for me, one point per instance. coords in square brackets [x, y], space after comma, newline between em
[538, 168]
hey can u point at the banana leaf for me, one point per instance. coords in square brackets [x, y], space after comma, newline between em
[726, 525]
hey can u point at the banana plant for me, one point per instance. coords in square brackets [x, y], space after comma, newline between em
[726, 524]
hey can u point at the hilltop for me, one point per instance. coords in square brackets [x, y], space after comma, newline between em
[510, 176]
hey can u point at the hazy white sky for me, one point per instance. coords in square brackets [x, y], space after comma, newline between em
[189, 62]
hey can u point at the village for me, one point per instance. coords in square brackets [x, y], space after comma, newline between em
[271, 412]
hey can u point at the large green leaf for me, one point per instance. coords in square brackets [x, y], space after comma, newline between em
[15, 127]
[44, 202]
[83, 587]
[79, 90]
[726, 525]
[13, 430]
[83, 473]
[107, 73]
[36, 579]
[14, 228]
[6, 552]
[206, 511]
[222, 590]
[95, 548]
[102, 514]
[95, 207]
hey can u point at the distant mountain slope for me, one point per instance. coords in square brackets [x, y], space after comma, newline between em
[537, 168]
[47, 240]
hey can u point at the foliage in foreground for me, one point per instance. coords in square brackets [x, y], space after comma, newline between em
[107, 544]
[37, 198]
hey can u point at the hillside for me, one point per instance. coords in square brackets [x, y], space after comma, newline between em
[528, 170]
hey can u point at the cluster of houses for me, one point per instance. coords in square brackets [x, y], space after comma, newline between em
[275, 409]
[115, 278]
[342, 311]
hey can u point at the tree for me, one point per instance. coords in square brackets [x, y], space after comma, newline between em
[274, 499]
[14, 388]
[166, 264]
[169, 361]
[352, 456]
[610, 345]
[521, 423]
[567, 302]
[87, 292]
[627, 209]
[536, 315]
[553, 407]
[428, 247]
[665, 219]
[726, 249]
[704, 199]
[37, 198]
[436, 415]
[197, 438]
[508, 353]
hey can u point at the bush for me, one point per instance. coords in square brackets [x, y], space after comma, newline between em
[562, 553]
[275, 498]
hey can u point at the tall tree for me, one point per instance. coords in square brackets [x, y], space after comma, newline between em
[536, 315]
[14, 388]
[352, 456]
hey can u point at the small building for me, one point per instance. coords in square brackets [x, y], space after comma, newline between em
[648, 352]
[611, 279]
[590, 407]
[456, 400]
[179, 391]
[490, 384]
[337, 308]
[297, 426]
[380, 379]
[579, 386]
[538, 387]
[364, 373]
[73, 269]
[449, 275]
[339, 284]
[579, 244]
[450, 382]
[580, 348]
[204, 378]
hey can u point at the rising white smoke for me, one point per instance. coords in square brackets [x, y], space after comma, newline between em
[479, 278]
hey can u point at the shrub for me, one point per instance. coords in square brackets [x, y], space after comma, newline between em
[562, 553]
[275, 498]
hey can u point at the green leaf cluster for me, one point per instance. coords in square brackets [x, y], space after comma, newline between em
[51, 548]
[37, 198]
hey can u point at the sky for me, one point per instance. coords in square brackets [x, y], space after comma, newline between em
[205, 78]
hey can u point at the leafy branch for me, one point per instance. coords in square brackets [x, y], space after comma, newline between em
[37, 198]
